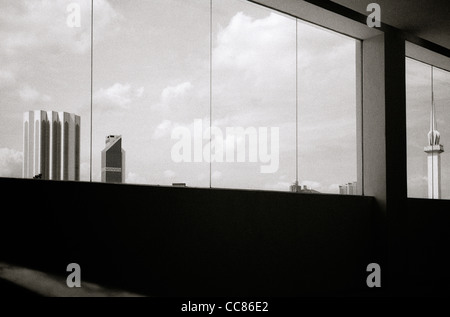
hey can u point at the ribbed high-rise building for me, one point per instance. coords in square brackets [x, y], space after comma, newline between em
[51, 145]
[113, 160]
[434, 150]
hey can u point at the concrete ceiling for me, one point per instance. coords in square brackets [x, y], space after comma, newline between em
[428, 19]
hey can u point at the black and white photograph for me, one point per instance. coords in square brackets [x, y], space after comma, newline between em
[225, 153]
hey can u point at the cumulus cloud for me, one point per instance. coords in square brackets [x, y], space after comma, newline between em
[171, 93]
[10, 163]
[254, 67]
[119, 95]
[260, 55]
[163, 129]
[256, 48]
[182, 101]
[42, 24]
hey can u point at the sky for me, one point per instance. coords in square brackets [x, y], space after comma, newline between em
[418, 105]
[152, 74]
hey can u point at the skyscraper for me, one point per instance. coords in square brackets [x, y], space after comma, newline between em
[113, 160]
[434, 150]
[51, 145]
[348, 189]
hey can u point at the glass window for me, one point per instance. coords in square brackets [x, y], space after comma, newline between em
[418, 110]
[326, 111]
[196, 93]
[253, 97]
[45, 89]
[151, 70]
[427, 100]
[441, 87]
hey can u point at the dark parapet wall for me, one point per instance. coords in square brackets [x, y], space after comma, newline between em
[428, 223]
[169, 241]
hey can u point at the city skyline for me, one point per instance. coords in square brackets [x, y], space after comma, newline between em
[150, 78]
[143, 92]
[217, 148]
[348, 189]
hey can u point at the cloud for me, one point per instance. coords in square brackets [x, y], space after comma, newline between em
[172, 93]
[182, 102]
[42, 25]
[163, 129]
[260, 55]
[119, 95]
[31, 95]
[254, 67]
[10, 163]
[256, 45]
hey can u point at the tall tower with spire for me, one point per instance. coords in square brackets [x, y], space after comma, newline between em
[434, 150]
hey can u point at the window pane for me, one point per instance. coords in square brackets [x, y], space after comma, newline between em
[45, 89]
[151, 77]
[418, 109]
[441, 86]
[253, 96]
[427, 128]
[327, 110]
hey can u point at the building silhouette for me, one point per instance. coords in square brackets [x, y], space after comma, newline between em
[113, 160]
[296, 188]
[51, 145]
[348, 189]
[434, 150]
